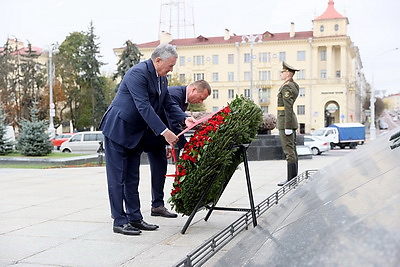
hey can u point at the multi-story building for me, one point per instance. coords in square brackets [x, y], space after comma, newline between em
[330, 77]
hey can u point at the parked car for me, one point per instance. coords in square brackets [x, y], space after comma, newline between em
[61, 138]
[382, 124]
[316, 145]
[83, 142]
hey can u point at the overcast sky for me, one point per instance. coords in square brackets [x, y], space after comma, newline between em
[374, 25]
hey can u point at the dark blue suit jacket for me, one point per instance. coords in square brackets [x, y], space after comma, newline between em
[178, 95]
[138, 107]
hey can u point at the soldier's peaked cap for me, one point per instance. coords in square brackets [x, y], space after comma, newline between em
[287, 67]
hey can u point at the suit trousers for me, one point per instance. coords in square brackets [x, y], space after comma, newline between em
[122, 167]
[289, 146]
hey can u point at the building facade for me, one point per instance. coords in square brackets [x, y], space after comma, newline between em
[330, 77]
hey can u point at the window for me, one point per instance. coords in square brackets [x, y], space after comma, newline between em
[215, 93]
[301, 55]
[262, 74]
[338, 74]
[247, 76]
[264, 95]
[215, 108]
[182, 78]
[247, 93]
[198, 60]
[268, 75]
[230, 59]
[198, 76]
[215, 76]
[336, 27]
[93, 137]
[182, 61]
[231, 76]
[322, 28]
[247, 57]
[215, 59]
[282, 56]
[264, 109]
[301, 109]
[76, 138]
[302, 92]
[323, 74]
[323, 55]
[264, 57]
[301, 74]
[231, 93]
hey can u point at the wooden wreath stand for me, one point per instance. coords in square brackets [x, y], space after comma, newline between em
[243, 149]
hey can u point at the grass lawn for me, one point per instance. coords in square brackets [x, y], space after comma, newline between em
[52, 155]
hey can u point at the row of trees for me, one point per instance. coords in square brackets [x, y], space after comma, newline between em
[81, 93]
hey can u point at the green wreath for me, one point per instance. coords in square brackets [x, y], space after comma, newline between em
[212, 153]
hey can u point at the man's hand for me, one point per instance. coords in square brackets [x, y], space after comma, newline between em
[288, 131]
[189, 121]
[171, 138]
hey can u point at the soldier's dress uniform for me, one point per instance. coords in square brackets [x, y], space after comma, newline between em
[287, 119]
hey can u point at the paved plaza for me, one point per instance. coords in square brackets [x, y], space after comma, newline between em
[61, 217]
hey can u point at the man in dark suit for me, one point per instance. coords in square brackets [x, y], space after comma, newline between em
[132, 125]
[287, 120]
[194, 93]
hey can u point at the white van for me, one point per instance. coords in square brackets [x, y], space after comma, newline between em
[83, 142]
[329, 134]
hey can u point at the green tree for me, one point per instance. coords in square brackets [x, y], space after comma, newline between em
[31, 81]
[92, 85]
[9, 76]
[33, 139]
[83, 87]
[68, 68]
[130, 57]
[6, 145]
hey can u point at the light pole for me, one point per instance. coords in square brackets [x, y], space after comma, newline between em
[372, 128]
[310, 40]
[53, 48]
[251, 39]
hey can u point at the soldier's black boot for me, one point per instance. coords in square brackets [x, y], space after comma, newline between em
[292, 170]
[291, 173]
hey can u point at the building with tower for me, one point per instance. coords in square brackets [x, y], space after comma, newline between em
[332, 85]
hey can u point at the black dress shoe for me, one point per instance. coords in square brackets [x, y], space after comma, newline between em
[163, 212]
[126, 229]
[142, 225]
[282, 183]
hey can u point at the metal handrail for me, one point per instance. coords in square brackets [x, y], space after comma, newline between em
[212, 245]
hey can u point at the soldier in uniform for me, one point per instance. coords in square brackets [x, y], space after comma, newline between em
[287, 120]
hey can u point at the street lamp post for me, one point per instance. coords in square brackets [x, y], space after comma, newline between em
[53, 48]
[251, 39]
[372, 128]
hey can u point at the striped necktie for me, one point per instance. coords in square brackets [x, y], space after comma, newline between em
[159, 85]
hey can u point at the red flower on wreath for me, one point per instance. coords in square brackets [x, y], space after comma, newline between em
[193, 148]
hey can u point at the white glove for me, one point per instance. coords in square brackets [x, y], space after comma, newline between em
[288, 131]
